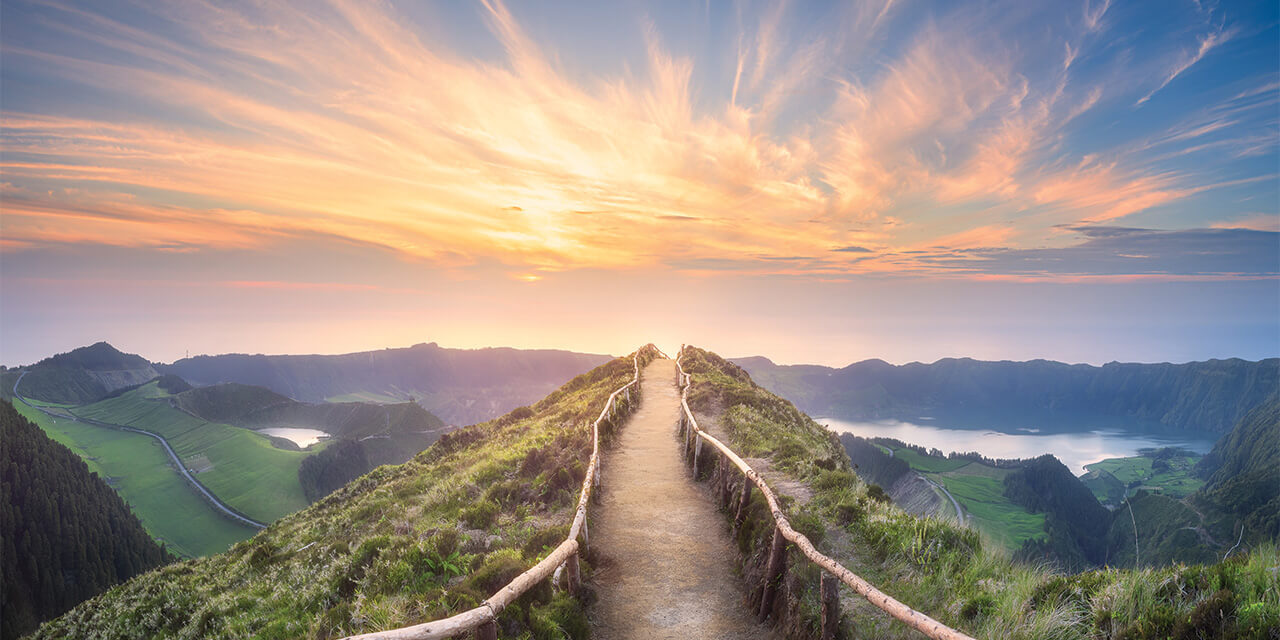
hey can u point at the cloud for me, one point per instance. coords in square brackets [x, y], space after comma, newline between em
[1120, 251]
[344, 120]
[1208, 42]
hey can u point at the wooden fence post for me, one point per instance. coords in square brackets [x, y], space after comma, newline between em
[697, 449]
[715, 477]
[572, 574]
[743, 499]
[829, 591]
[487, 631]
[773, 572]
[726, 483]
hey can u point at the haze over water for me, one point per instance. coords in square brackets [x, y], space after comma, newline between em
[1073, 449]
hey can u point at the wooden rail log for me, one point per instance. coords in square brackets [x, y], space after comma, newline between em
[915, 619]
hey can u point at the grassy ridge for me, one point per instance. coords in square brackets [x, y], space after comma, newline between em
[140, 471]
[401, 545]
[946, 570]
[239, 466]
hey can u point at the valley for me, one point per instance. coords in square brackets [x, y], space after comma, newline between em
[433, 536]
[138, 468]
[242, 446]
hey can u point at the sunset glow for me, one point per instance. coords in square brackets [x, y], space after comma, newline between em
[759, 179]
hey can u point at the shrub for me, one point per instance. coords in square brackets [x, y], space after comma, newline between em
[481, 515]
[497, 569]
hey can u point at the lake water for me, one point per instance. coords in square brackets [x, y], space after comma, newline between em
[301, 437]
[1074, 449]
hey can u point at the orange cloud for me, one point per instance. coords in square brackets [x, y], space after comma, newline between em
[355, 127]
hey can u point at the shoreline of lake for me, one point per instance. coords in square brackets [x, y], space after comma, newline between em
[1074, 449]
[300, 436]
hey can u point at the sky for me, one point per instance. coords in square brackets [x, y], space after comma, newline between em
[813, 182]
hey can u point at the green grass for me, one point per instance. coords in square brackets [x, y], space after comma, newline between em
[247, 472]
[979, 489]
[982, 495]
[141, 472]
[1177, 481]
[402, 545]
[928, 464]
[1105, 487]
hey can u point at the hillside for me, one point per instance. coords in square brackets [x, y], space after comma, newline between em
[140, 471]
[244, 469]
[400, 545]
[1203, 396]
[461, 386]
[434, 536]
[81, 375]
[1244, 474]
[949, 571]
[64, 534]
[255, 407]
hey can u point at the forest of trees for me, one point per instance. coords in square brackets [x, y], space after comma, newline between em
[66, 535]
[1076, 523]
[335, 466]
[871, 462]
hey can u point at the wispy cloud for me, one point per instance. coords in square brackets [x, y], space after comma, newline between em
[1208, 42]
[246, 124]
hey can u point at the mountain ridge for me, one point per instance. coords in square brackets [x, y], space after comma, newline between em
[1209, 395]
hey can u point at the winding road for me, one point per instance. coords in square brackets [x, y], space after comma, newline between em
[182, 468]
[938, 485]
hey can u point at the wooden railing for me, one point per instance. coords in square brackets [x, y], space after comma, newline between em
[563, 559]
[783, 533]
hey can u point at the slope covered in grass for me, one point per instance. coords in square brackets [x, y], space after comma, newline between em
[81, 375]
[401, 545]
[944, 570]
[138, 468]
[64, 534]
[239, 466]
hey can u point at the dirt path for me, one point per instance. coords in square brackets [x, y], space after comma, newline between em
[665, 561]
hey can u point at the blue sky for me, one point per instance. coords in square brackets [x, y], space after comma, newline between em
[823, 182]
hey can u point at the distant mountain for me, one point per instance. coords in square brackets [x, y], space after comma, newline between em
[257, 407]
[461, 386]
[65, 535]
[82, 375]
[1201, 396]
[385, 433]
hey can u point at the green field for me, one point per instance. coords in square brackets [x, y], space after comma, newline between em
[138, 468]
[1176, 481]
[980, 490]
[240, 466]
